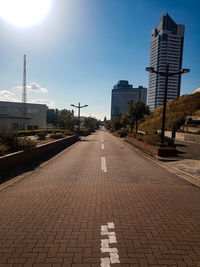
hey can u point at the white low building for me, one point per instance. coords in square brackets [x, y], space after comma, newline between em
[16, 116]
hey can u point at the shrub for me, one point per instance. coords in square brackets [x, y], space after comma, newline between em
[42, 135]
[24, 143]
[10, 142]
[83, 131]
[153, 139]
[67, 133]
[3, 149]
[122, 133]
[56, 135]
[31, 132]
[38, 131]
[13, 143]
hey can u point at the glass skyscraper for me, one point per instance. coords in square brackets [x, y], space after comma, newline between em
[122, 93]
[166, 47]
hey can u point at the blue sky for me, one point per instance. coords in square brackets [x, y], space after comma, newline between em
[83, 47]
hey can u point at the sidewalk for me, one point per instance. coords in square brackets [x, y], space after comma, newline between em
[186, 164]
[188, 159]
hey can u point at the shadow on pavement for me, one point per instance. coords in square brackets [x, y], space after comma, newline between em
[181, 145]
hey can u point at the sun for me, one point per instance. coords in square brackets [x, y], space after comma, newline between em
[24, 13]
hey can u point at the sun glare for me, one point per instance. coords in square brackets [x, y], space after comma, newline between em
[24, 13]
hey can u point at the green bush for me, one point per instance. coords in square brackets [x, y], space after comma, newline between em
[122, 132]
[153, 139]
[24, 143]
[3, 149]
[10, 142]
[42, 135]
[67, 133]
[32, 132]
[39, 131]
[83, 131]
[56, 135]
[13, 143]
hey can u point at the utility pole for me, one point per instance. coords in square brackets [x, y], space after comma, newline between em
[79, 113]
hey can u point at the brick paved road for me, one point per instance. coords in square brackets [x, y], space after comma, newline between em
[53, 216]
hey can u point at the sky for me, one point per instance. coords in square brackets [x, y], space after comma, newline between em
[81, 48]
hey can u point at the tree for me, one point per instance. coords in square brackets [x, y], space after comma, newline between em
[140, 111]
[91, 124]
[131, 114]
[124, 120]
[52, 116]
[66, 119]
[136, 111]
[108, 125]
[116, 122]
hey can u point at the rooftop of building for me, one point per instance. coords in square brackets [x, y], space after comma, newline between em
[124, 84]
[167, 23]
[20, 103]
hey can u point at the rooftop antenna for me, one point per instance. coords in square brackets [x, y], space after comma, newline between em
[24, 97]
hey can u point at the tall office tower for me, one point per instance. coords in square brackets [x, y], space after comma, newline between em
[166, 47]
[122, 93]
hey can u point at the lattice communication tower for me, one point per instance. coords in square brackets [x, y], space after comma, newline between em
[24, 96]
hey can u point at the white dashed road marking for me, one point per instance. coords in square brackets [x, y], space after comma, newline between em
[103, 164]
[109, 250]
[111, 226]
[112, 239]
[108, 233]
[102, 146]
[105, 262]
[114, 256]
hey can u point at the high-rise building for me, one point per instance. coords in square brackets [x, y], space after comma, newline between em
[122, 93]
[166, 47]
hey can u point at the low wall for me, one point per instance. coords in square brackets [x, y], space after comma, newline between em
[191, 129]
[153, 150]
[24, 158]
[195, 138]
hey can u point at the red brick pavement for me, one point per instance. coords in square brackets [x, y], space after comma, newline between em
[52, 217]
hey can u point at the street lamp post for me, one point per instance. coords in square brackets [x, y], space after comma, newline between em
[79, 112]
[166, 74]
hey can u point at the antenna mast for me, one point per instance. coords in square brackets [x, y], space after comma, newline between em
[24, 98]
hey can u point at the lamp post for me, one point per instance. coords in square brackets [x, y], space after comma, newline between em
[166, 74]
[79, 112]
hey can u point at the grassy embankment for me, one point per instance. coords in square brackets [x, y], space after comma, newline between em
[176, 113]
